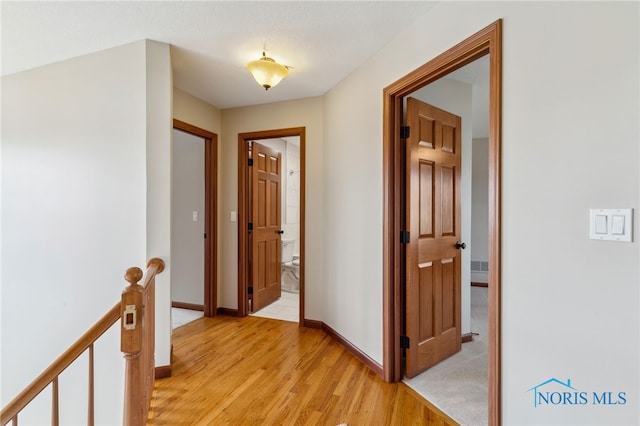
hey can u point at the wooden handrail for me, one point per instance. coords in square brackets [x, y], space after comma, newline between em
[139, 364]
[12, 409]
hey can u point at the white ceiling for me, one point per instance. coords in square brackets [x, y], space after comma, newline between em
[211, 41]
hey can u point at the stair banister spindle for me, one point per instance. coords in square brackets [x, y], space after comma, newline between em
[90, 408]
[55, 409]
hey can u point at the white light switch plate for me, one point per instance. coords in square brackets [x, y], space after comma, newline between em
[611, 224]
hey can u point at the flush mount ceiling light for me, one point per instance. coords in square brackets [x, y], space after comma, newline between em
[267, 72]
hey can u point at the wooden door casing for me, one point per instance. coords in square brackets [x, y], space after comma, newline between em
[210, 213]
[433, 218]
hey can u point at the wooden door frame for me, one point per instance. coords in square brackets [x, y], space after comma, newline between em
[243, 211]
[487, 41]
[210, 203]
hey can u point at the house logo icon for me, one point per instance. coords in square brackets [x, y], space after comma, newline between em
[541, 396]
[556, 392]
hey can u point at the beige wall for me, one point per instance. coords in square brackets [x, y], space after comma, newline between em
[196, 112]
[306, 113]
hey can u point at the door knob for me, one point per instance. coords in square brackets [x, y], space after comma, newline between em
[461, 245]
[280, 232]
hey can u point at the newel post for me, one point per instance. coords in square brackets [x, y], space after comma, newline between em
[131, 309]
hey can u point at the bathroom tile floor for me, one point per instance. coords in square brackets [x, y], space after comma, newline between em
[286, 308]
[459, 385]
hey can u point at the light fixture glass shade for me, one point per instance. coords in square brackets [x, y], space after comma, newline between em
[267, 72]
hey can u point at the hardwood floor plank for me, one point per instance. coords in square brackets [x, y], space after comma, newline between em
[258, 371]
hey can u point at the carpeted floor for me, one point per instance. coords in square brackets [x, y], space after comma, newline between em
[459, 385]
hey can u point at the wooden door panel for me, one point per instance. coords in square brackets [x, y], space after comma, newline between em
[427, 171]
[433, 315]
[448, 139]
[426, 133]
[260, 220]
[447, 200]
[266, 218]
[260, 279]
[272, 205]
[273, 265]
[274, 165]
[448, 294]
[260, 161]
[426, 295]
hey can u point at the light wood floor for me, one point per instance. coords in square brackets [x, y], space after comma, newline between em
[258, 371]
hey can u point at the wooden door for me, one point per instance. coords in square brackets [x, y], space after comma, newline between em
[433, 272]
[265, 217]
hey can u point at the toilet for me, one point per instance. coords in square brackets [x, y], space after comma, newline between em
[290, 270]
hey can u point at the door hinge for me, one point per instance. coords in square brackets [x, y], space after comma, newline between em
[250, 226]
[405, 131]
[250, 162]
[405, 238]
[404, 342]
[205, 235]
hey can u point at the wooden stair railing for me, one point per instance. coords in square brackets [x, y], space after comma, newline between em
[139, 342]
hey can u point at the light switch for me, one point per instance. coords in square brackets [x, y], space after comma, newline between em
[234, 216]
[617, 224]
[611, 224]
[601, 224]
[195, 216]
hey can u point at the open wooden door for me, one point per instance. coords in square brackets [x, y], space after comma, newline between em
[433, 270]
[266, 219]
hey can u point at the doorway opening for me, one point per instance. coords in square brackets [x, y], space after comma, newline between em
[447, 149]
[199, 219]
[287, 236]
[486, 42]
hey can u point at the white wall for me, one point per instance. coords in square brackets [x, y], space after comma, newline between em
[456, 98]
[73, 219]
[306, 113]
[159, 113]
[570, 143]
[292, 191]
[480, 207]
[187, 242]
